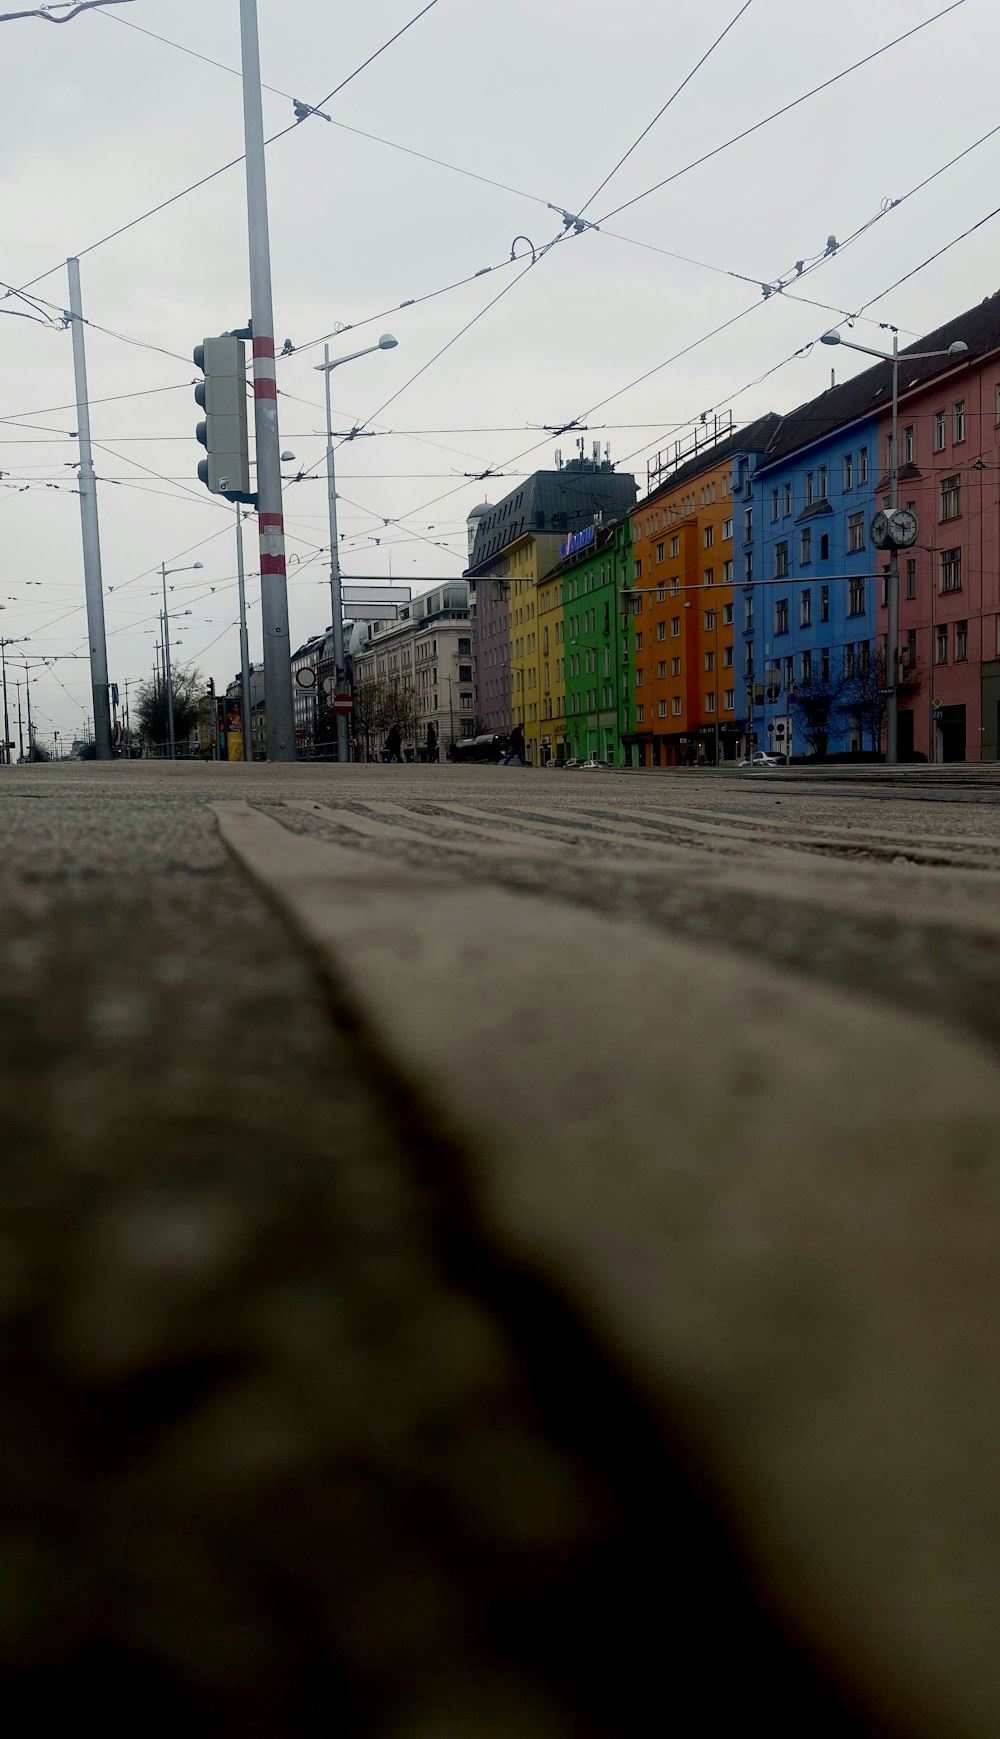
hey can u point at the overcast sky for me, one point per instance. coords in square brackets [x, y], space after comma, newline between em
[99, 122]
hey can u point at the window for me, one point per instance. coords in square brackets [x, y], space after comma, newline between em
[939, 431]
[911, 647]
[661, 707]
[727, 615]
[710, 661]
[748, 569]
[848, 470]
[748, 525]
[661, 670]
[727, 528]
[709, 576]
[805, 546]
[464, 648]
[708, 536]
[465, 701]
[465, 673]
[855, 532]
[710, 700]
[729, 700]
[640, 715]
[780, 560]
[661, 592]
[637, 570]
[810, 484]
[675, 667]
[727, 658]
[640, 678]
[940, 645]
[805, 607]
[638, 641]
[675, 546]
[824, 547]
[786, 499]
[950, 498]
[774, 504]
[661, 630]
[727, 573]
[781, 616]
[951, 571]
[675, 706]
[849, 662]
[824, 664]
[908, 444]
[807, 666]
[958, 420]
[856, 598]
[659, 552]
[748, 615]
[822, 482]
[961, 642]
[911, 578]
[709, 621]
[675, 627]
[675, 586]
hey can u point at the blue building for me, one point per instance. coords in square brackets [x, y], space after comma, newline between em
[809, 596]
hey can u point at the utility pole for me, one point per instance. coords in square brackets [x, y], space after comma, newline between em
[20, 727]
[273, 582]
[90, 527]
[336, 592]
[31, 728]
[6, 719]
[167, 675]
[244, 642]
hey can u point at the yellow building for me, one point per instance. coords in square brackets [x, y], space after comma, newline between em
[530, 558]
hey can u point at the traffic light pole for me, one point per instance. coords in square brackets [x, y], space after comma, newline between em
[273, 583]
[244, 642]
[91, 529]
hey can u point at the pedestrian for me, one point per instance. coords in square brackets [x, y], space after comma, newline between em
[393, 744]
[515, 747]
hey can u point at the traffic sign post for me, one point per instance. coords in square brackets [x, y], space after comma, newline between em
[342, 705]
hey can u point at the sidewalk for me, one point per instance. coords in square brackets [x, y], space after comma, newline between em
[485, 1248]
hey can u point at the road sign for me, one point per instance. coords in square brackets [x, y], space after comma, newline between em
[884, 693]
[306, 677]
[343, 704]
[936, 701]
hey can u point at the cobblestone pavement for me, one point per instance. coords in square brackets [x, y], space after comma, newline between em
[489, 1251]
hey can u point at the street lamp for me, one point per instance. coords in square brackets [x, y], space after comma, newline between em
[326, 367]
[164, 571]
[959, 348]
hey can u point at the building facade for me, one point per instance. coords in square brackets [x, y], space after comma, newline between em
[596, 650]
[428, 656]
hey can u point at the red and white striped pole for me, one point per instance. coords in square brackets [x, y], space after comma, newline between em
[278, 700]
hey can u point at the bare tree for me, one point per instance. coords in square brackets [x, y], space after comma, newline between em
[188, 690]
[820, 704]
[402, 708]
[868, 696]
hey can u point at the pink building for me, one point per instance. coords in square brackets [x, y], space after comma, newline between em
[949, 584]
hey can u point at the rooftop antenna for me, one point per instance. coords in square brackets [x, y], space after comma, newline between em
[607, 452]
[596, 451]
[558, 458]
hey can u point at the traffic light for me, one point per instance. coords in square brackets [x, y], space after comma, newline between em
[222, 395]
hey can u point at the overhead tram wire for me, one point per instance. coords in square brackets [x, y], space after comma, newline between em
[308, 109]
[670, 100]
[785, 109]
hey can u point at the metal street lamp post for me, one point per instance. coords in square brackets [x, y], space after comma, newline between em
[892, 628]
[326, 367]
[167, 675]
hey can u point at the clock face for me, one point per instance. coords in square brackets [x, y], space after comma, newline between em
[902, 528]
[880, 531]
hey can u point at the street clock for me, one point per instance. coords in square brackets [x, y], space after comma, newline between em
[894, 530]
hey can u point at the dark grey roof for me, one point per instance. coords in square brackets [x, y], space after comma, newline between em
[552, 501]
[869, 394]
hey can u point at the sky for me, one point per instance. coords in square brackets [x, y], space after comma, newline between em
[524, 103]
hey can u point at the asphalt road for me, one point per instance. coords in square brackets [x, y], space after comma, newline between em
[323, 1415]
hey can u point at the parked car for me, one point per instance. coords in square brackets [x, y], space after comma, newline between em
[572, 765]
[592, 765]
[764, 758]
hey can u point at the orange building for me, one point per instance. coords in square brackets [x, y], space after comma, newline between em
[688, 683]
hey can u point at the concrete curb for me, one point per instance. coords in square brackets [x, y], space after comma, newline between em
[784, 1234]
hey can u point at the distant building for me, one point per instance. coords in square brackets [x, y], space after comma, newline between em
[429, 650]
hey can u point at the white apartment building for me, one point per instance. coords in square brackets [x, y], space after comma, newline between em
[431, 648]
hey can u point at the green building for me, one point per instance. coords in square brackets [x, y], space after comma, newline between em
[600, 707]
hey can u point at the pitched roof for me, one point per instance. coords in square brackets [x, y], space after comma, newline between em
[869, 394]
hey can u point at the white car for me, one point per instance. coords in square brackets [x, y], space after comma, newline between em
[760, 758]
